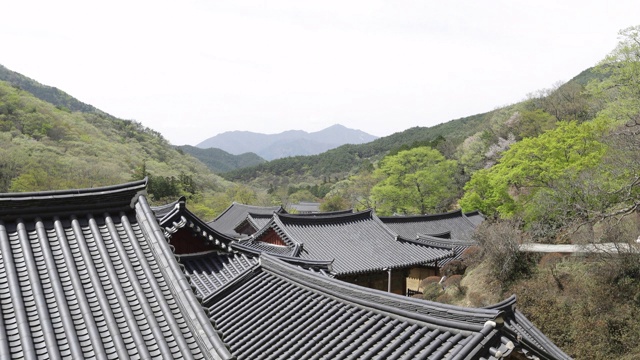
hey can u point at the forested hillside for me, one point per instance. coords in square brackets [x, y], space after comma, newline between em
[474, 142]
[220, 161]
[47, 147]
[46, 93]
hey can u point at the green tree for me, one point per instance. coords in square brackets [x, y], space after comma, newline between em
[533, 164]
[334, 203]
[416, 181]
[619, 89]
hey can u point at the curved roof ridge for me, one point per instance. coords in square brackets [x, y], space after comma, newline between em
[407, 218]
[429, 239]
[259, 215]
[538, 336]
[507, 305]
[223, 212]
[196, 223]
[139, 184]
[174, 272]
[473, 213]
[162, 210]
[447, 316]
[245, 206]
[330, 218]
[466, 218]
[527, 330]
[440, 235]
[244, 247]
[388, 229]
[99, 199]
[307, 263]
[286, 237]
[323, 213]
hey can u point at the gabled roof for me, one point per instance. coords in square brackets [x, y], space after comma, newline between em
[255, 221]
[88, 274]
[456, 246]
[228, 220]
[358, 242]
[209, 272]
[455, 222]
[280, 311]
[175, 216]
[213, 271]
[537, 344]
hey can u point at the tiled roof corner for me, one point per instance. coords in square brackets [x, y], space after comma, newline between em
[313, 316]
[84, 275]
[48, 203]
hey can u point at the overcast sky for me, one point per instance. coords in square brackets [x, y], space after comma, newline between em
[193, 69]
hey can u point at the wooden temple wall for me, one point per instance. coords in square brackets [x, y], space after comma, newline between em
[379, 280]
[186, 242]
[417, 274]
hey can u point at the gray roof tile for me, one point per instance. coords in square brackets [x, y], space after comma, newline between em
[280, 311]
[88, 274]
[456, 223]
[358, 242]
[228, 220]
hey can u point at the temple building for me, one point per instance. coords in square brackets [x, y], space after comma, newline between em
[99, 274]
[88, 274]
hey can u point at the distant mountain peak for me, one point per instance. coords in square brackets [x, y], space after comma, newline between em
[287, 143]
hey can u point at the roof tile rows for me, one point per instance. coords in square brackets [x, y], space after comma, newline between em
[280, 311]
[358, 242]
[456, 223]
[90, 274]
[96, 282]
[212, 271]
[236, 213]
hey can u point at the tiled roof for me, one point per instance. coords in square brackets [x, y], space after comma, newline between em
[257, 221]
[305, 207]
[280, 311]
[229, 219]
[456, 246]
[328, 213]
[357, 242]
[258, 247]
[475, 217]
[175, 216]
[516, 322]
[455, 222]
[88, 274]
[211, 271]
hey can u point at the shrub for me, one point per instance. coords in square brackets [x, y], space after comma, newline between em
[432, 291]
[429, 280]
[471, 255]
[500, 242]
[455, 267]
[550, 260]
[454, 282]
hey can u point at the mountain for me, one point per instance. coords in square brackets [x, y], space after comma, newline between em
[566, 102]
[50, 140]
[220, 161]
[288, 143]
[46, 93]
[340, 161]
